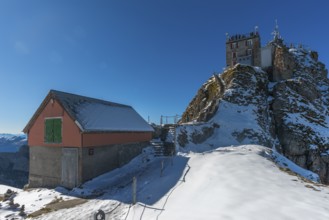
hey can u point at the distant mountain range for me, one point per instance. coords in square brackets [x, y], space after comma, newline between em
[12, 142]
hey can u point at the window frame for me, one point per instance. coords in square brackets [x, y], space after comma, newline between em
[234, 45]
[45, 139]
[249, 42]
[249, 52]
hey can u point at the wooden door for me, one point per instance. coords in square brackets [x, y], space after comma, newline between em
[69, 167]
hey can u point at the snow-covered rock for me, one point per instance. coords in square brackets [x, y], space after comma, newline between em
[301, 114]
[241, 116]
[285, 107]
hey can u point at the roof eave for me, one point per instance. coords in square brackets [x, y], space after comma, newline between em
[51, 95]
[117, 131]
[37, 112]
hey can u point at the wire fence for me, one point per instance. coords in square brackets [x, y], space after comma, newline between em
[146, 207]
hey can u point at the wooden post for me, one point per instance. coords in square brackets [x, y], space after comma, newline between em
[172, 158]
[175, 140]
[134, 189]
[161, 168]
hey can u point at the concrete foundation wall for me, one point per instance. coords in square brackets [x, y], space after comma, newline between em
[45, 166]
[46, 162]
[99, 160]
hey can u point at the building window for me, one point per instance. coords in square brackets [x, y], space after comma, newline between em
[249, 42]
[233, 55]
[53, 130]
[249, 52]
[234, 45]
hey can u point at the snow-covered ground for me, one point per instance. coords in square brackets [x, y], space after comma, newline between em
[230, 183]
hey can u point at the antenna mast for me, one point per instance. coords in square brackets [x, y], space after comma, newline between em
[276, 32]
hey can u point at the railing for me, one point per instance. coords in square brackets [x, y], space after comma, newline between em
[169, 119]
[241, 36]
[298, 45]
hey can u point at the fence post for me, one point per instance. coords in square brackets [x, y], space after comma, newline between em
[172, 158]
[161, 168]
[134, 189]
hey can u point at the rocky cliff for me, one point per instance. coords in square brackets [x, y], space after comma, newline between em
[285, 107]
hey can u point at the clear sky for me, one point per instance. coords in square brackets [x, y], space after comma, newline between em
[151, 54]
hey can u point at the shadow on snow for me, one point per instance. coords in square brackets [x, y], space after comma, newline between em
[152, 184]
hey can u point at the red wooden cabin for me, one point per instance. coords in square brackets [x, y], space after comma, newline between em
[74, 138]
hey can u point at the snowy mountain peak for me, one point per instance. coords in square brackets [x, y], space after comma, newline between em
[12, 142]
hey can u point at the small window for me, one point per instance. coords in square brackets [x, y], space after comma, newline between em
[249, 52]
[53, 130]
[90, 151]
[233, 55]
[234, 45]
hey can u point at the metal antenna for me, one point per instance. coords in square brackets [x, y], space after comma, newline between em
[276, 32]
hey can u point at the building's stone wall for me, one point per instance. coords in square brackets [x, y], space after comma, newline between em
[283, 64]
[244, 49]
[46, 162]
[45, 166]
[99, 160]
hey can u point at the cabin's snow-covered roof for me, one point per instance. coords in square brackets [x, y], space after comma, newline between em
[98, 117]
[95, 115]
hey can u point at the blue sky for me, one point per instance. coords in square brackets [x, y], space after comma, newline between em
[151, 54]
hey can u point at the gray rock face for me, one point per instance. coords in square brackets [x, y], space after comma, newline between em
[291, 112]
[242, 88]
[300, 109]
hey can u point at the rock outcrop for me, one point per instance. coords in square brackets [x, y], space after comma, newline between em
[236, 108]
[286, 108]
[300, 110]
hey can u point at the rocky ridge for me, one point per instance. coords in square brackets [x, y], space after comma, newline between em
[285, 107]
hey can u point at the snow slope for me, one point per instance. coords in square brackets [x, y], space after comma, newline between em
[239, 183]
[227, 183]
[231, 118]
